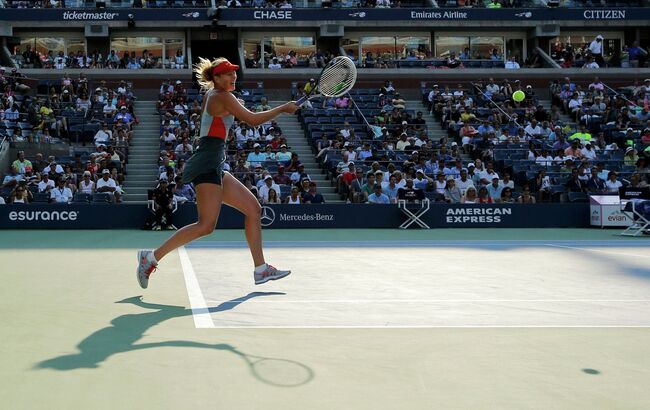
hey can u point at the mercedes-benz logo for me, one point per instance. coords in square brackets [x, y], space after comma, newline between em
[268, 216]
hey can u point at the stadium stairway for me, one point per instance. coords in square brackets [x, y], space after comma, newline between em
[142, 170]
[298, 143]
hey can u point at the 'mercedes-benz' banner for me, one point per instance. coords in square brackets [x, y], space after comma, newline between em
[123, 216]
[540, 14]
[95, 15]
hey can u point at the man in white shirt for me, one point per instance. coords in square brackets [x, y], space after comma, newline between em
[61, 194]
[263, 192]
[107, 184]
[274, 64]
[596, 49]
[53, 167]
[184, 149]
[463, 182]
[109, 109]
[533, 129]
[103, 136]
[46, 183]
[588, 152]
[489, 174]
[512, 64]
[544, 159]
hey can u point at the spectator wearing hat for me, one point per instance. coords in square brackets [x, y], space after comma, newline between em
[257, 157]
[61, 194]
[378, 197]
[163, 199]
[263, 192]
[284, 155]
[53, 168]
[108, 184]
[87, 185]
[422, 181]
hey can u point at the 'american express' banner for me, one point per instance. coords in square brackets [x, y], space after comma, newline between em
[44, 216]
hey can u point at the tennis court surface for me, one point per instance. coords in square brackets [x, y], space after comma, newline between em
[369, 319]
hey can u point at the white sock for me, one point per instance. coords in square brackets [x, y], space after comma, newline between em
[261, 268]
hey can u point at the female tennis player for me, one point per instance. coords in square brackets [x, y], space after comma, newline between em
[205, 170]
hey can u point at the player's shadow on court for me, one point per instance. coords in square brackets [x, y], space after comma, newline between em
[126, 330]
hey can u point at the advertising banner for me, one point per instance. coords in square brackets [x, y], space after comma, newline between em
[51, 216]
[103, 15]
[433, 15]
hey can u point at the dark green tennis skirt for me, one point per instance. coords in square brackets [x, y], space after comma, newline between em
[206, 164]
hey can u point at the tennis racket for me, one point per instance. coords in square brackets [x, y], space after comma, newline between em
[336, 79]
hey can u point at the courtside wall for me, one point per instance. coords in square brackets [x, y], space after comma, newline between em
[125, 216]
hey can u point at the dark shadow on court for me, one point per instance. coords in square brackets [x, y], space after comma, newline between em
[126, 330]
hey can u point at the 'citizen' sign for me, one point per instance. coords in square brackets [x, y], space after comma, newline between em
[75, 15]
[604, 14]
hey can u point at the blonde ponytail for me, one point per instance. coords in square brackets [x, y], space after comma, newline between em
[203, 71]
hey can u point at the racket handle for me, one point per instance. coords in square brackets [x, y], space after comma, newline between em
[302, 100]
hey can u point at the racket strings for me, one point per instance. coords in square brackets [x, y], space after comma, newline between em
[338, 79]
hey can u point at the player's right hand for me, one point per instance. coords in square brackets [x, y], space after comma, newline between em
[291, 107]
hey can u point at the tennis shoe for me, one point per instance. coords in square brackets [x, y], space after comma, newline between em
[270, 273]
[146, 266]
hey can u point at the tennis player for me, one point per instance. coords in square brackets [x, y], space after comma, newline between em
[205, 170]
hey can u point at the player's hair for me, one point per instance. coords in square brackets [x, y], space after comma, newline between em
[203, 71]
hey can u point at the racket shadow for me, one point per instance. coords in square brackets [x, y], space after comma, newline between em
[125, 330]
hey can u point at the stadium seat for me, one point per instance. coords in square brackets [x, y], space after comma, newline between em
[578, 197]
[42, 197]
[102, 197]
[81, 198]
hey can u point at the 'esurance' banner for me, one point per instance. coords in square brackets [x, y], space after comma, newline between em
[541, 14]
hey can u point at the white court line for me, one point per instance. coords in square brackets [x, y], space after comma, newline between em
[200, 312]
[596, 250]
[389, 326]
[442, 301]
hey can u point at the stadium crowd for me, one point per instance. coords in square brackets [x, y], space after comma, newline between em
[63, 114]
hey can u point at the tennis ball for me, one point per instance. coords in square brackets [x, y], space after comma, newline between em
[518, 96]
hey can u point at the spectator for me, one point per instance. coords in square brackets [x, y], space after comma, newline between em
[108, 184]
[183, 192]
[612, 184]
[526, 197]
[494, 189]
[61, 194]
[312, 196]
[87, 185]
[273, 197]
[484, 197]
[46, 184]
[596, 50]
[378, 197]
[512, 64]
[22, 165]
[20, 195]
[470, 196]
[268, 184]
[453, 194]
[594, 183]
[506, 196]
[12, 179]
[294, 198]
